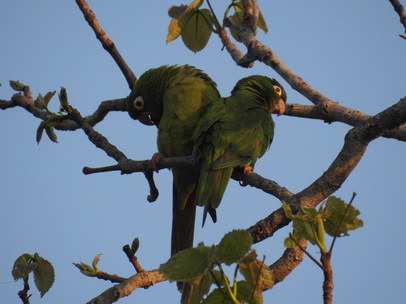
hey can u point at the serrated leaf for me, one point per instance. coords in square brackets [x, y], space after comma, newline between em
[51, 133]
[233, 246]
[22, 259]
[174, 29]
[44, 274]
[196, 28]
[188, 265]
[258, 277]
[334, 210]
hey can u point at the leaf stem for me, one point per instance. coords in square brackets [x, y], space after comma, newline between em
[340, 223]
[227, 285]
[305, 251]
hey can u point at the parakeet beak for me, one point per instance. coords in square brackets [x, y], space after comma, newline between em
[280, 107]
[145, 119]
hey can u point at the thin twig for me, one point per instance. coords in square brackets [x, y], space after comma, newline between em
[305, 251]
[133, 259]
[340, 223]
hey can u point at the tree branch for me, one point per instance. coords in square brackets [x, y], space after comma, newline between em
[107, 44]
[398, 7]
[143, 279]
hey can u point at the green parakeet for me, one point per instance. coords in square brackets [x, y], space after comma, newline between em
[174, 98]
[235, 132]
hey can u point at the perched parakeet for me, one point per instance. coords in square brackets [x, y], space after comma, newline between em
[235, 132]
[174, 98]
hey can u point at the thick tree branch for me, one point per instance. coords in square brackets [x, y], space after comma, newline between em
[107, 44]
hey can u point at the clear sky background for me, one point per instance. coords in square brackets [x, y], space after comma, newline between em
[348, 50]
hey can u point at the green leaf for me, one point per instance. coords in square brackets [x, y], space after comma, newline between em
[48, 96]
[248, 259]
[201, 289]
[176, 13]
[196, 29]
[17, 86]
[188, 265]
[40, 131]
[244, 293]
[233, 246]
[44, 274]
[334, 210]
[51, 133]
[23, 259]
[135, 245]
[40, 102]
[258, 276]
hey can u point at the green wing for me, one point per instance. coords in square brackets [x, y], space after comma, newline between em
[175, 98]
[234, 132]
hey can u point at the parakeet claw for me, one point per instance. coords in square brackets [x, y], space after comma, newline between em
[247, 170]
[155, 159]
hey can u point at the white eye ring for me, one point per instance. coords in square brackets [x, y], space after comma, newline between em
[278, 90]
[139, 103]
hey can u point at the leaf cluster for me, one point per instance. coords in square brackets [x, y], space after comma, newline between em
[195, 24]
[42, 269]
[334, 217]
[52, 119]
[196, 266]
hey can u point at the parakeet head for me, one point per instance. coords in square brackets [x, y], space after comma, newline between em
[267, 90]
[145, 101]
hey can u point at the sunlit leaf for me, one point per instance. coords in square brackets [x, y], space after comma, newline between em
[335, 208]
[96, 260]
[196, 29]
[176, 13]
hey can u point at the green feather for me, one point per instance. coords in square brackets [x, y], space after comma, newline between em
[175, 98]
[234, 132]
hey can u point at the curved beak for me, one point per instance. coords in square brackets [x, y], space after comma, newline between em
[145, 119]
[280, 107]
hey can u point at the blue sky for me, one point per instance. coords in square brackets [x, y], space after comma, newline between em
[350, 51]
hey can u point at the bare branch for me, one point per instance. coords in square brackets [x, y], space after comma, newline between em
[96, 138]
[108, 45]
[143, 279]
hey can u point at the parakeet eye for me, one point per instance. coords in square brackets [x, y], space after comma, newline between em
[139, 103]
[278, 90]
